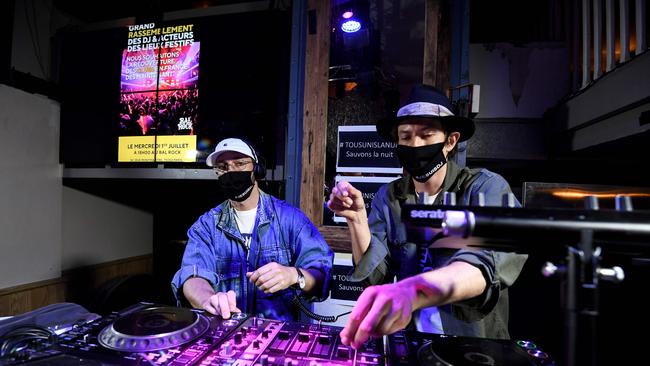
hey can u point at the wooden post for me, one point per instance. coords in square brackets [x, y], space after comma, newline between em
[315, 109]
[431, 26]
[444, 47]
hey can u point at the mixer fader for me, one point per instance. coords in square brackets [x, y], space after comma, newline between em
[267, 342]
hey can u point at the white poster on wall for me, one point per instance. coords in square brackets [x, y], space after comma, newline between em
[361, 150]
[368, 187]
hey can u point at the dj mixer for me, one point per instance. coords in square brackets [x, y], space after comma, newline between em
[148, 334]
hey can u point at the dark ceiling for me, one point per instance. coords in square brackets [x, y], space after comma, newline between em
[97, 11]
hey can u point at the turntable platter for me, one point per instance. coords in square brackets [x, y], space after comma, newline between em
[465, 351]
[153, 328]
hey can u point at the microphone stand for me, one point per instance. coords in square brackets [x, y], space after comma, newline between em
[528, 230]
[580, 302]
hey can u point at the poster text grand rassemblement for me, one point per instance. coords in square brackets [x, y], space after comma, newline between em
[159, 94]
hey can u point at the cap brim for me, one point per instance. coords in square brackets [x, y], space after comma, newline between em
[209, 161]
[463, 125]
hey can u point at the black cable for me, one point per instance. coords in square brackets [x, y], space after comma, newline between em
[322, 318]
[296, 299]
[24, 337]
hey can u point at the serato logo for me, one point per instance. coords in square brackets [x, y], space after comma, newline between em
[427, 214]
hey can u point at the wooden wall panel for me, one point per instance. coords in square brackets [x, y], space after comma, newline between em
[24, 298]
[337, 237]
[101, 273]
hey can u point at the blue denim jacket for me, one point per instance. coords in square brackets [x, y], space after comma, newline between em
[283, 234]
[390, 253]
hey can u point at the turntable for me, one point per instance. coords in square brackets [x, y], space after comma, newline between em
[449, 350]
[153, 329]
[413, 348]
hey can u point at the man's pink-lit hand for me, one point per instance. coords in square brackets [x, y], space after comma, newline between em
[273, 277]
[221, 303]
[379, 310]
[346, 201]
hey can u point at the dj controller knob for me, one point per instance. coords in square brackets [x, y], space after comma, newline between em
[265, 334]
[162, 359]
[449, 199]
[226, 349]
[363, 359]
[623, 203]
[481, 199]
[508, 200]
[289, 362]
[264, 360]
[238, 338]
[256, 344]
[538, 354]
[591, 203]
[239, 316]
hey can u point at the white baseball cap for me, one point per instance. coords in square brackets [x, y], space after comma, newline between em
[230, 144]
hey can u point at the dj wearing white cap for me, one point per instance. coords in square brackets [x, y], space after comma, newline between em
[253, 251]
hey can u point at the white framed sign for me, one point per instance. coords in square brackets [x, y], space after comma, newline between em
[360, 149]
[368, 187]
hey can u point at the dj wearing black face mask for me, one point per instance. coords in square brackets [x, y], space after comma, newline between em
[447, 291]
[246, 253]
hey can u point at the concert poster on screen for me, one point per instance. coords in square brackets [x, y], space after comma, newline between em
[159, 94]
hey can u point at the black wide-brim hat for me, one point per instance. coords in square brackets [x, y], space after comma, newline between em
[426, 101]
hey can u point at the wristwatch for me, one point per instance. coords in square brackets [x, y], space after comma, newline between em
[301, 279]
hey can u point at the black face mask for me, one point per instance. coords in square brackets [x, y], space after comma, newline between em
[423, 161]
[236, 186]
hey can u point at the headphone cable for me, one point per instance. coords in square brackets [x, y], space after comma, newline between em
[321, 318]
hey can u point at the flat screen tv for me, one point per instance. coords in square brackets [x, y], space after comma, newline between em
[166, 92]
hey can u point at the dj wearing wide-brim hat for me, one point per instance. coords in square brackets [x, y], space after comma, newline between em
[439, 290]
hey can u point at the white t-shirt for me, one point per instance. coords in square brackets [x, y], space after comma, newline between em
[245, 221]
[428, 319]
